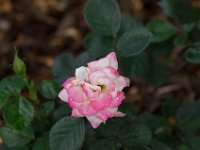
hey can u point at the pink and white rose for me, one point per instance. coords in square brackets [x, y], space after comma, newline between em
[96, 91]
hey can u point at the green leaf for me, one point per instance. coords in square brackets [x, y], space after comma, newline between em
[3, 99]
[192, 54]
[104, 144]
[181, 39]
[155, 122]
[14, 138]
[188, 116]
[128, 109]
[12, 84]
[156, 75]
[49, 89]
[61, 111]
[135, 134]
[128, 23]
[41, 143]
[189, 27]
[41, 124]
[103, 16]
[181, 10]
[82, 59]
[111, 128]
[125, 64]
[157, 50]
[18, 113]
[15, 148]
[63, 66]
[47, 107]
[67, 134]
[133, 42]
[140, 65]
[193, 141]
[139, 148]
[184, 147]
[161, 29]
[158, 145]
[97, 45]
[170, 107]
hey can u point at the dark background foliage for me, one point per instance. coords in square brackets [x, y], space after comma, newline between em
[157, 44]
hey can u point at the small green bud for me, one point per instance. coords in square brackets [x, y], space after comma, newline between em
[19, 66]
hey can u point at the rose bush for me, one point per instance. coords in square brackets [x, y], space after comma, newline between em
[96, 90]
[162, 109]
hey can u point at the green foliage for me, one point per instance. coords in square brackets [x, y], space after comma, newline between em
[61, 112]
[41, 143]
[97, 45]
[104, 144]
[140, 65]
[126, 47]
[12, 84]
[128, 23]
[181, 39]
[157, 145]
[170, 107]
[18, 113]
[3, 98]
[135, 134]
[103, 16]
[182, 10]
[188, 116]
[63, 66]
[14, 138]
[49, 89]
[161, 30]
[68, 133]
[192, 54]
[157, 74]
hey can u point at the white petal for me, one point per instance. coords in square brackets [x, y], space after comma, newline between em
[122, 82]
[99, 64]
[82, 73]
[112, 60]
[94, 121]
[119, 114]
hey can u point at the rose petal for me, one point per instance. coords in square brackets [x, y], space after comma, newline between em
[94, 121]
[66, 84]
[91, 91]
[63, 95]
[99, 78]
[87, 110]
[119, 114]
[109, 112]
[98, 64]
[76, 93]
[102, 102]
[82, 73]
[122, 82]
[111, 73]
[102, 116]
[118, 99]
[112, 60]
[73, 104]
[76, 113]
